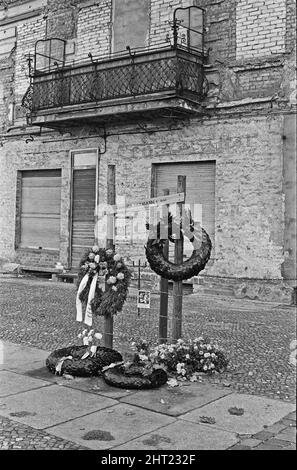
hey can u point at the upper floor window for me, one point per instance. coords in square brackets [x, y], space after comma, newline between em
[130, 24]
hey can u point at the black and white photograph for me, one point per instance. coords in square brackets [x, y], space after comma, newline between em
[148, 285]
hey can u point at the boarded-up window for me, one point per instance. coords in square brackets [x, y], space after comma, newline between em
[130, 23]
[200, 191]
[40, 209]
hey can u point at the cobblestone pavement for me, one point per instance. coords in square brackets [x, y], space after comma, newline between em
[16, 436]
[256, 337]
[279, 436]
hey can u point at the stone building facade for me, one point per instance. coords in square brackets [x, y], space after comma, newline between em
[239, 137]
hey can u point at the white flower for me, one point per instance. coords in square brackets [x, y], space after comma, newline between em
[80, 336]
[170, 349]
[117, 257]
[208, 347]
[143, 357]
[206, 355]
[95, 248]
[205, 367]
[212, 366]
[172, 383]
[93, 350]
[114, 288]
[187, 356]
[201, 353]
[98, 335]
[162, 356]
[97, 259]
[111, 280]
[120, 276]
[91, 256]
[213, 355]
[84, 332]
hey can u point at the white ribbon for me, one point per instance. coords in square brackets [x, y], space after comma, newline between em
[79, 316]
[88, 315]
[60, 363]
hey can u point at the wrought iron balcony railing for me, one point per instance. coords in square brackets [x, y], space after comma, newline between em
[149, 80]
[169, 70]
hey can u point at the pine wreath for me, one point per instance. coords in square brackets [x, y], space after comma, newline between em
[192, 266]
[109, 296]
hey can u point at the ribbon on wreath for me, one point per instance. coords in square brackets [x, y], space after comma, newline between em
[58, 370]
[88, 313]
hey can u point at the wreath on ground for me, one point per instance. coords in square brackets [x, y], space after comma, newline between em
[151, 366]
[134, 376]
[112, 280]
[192, 266]
[75, 361]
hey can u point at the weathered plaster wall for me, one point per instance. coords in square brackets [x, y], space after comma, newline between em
[250, 107]
[289, 185]
[249, 198]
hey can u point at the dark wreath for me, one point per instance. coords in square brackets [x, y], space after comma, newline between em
[73, 364]
[134, 377]
[192, 266]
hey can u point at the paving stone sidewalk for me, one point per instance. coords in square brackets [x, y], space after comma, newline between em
[41, 411]
[257, 337]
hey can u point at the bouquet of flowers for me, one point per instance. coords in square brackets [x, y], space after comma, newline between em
[91, 339]
[183, 359]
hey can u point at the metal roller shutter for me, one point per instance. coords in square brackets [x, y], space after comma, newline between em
[200, 189]
[40, 209]
[83, 208]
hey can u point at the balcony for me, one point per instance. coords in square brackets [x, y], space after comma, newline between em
[164, 82]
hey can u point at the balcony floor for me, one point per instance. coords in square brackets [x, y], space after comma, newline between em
[118, 111]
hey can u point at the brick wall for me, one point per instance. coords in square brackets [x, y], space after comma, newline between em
[220, 29]
[30, 257]
[94, 30]
[28, 34]
[6, 92]
[161, 12]
[260, 27]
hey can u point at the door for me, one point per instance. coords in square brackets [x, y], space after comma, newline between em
[200, 193]
[84, 184]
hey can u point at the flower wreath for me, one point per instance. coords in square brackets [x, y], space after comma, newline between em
[103, 282]
[192, 266]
